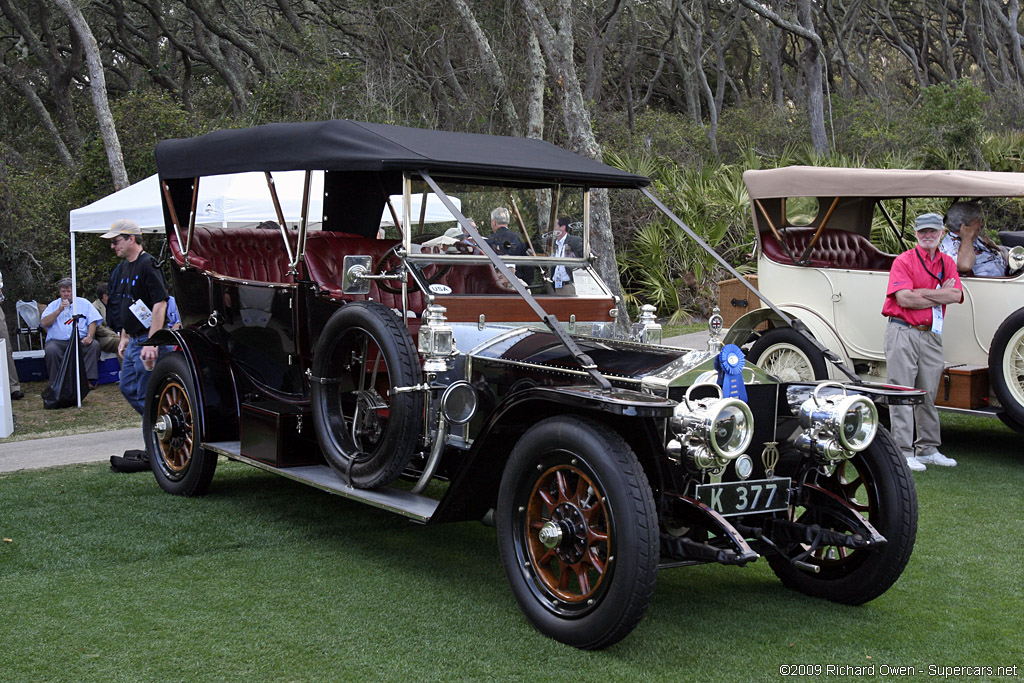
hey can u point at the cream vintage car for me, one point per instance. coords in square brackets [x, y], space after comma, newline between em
[817, 262]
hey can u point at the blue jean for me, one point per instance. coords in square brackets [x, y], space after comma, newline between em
[134, 376]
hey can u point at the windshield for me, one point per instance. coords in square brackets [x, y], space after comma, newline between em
[539, 233]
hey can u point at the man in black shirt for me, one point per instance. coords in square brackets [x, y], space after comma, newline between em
[139, 297]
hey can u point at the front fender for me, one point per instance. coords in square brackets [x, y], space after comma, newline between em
[474, 490]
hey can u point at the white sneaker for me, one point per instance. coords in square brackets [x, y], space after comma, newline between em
[915, 465]
[937, 458]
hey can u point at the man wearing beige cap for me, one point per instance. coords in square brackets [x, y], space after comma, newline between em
[138, 294]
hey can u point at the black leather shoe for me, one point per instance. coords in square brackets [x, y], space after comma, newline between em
[17, 395]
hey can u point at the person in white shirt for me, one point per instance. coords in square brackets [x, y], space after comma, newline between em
[564, 245]
[57, 322]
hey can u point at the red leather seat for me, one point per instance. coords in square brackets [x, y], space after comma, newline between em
[251, 254]
[834, 249]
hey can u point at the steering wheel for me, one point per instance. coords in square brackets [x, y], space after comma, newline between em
[390, 262]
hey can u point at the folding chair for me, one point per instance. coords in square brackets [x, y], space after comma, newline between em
[28, 315]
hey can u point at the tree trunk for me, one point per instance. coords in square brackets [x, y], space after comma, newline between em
[98, 87]
[558, 48]
[492, 69]
[811, 61]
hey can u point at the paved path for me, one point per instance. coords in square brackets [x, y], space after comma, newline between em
[64, 450]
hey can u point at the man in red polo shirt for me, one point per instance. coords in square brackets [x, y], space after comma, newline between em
[922, 281]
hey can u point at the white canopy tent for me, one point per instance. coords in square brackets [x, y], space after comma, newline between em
[237, 200]
[231, 201]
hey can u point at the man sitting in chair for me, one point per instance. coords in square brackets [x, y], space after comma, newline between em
[57, 322]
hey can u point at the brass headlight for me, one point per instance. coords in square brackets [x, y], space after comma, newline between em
[712, 431]
[836, 427]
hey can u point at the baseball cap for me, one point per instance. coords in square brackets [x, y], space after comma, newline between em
[123, 226]
[928, 221]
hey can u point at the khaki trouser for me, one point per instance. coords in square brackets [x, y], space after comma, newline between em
[12, 370]
[914, 359]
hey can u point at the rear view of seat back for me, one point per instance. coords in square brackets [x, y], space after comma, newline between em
[250, 254]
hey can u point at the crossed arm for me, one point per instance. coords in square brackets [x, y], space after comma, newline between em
[921, 297]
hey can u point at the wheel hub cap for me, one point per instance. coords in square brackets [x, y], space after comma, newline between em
[550, 534]
[163, 428]
[565, 533]
[171, 427]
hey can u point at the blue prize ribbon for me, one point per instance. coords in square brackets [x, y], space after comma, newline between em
[729, 364]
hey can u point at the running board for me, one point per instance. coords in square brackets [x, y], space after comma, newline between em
[419, 508]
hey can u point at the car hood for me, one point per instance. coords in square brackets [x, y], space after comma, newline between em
[616, 359]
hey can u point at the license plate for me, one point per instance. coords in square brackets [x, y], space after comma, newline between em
[746, 497]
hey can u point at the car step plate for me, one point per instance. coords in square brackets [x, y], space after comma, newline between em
[419, 508]
[746, 497]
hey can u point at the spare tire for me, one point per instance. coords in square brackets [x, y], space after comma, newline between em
[367, 432]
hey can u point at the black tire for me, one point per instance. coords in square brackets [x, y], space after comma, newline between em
[173, 431]
[788, 355]
[592, 588]
[1006, 366]
[366, 432]
[878, 483]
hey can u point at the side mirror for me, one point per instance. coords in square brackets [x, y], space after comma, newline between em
[354, 280]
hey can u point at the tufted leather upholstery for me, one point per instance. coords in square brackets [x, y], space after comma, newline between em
[325, 259]
[251, 254]
[258, 255]
[834, 249]
[325, 256]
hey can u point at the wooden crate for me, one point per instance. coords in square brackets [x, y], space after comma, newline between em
[963, 386]
[734, 299]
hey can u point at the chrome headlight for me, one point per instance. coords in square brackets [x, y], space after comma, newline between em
[836, 427]
[712, 431]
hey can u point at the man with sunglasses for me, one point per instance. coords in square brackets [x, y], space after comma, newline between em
[921, 282]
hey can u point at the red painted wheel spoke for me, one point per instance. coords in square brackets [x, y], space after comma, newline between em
[595, 560]
[581, 490]
[548, 499]
[563, 486]
[582, 578]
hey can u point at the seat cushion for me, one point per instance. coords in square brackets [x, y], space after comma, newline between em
[833, 249]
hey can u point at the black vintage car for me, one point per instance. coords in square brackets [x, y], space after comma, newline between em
[458, 376]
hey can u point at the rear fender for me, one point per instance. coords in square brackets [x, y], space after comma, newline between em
[474, 489]
[213, 379]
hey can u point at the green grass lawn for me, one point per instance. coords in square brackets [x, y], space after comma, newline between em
[104, 577]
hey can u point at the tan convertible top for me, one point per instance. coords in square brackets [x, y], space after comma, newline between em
[820, 181]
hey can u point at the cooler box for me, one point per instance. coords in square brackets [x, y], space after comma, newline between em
[109, 369]
[31, 366]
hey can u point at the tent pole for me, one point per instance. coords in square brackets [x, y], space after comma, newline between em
[74, 327]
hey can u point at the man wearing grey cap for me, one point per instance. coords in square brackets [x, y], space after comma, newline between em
[921, 282]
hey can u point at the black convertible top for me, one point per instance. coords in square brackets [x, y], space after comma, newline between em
[342, 145]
